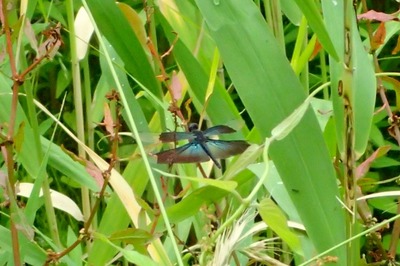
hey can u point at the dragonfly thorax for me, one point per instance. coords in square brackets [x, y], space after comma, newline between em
[199, 136]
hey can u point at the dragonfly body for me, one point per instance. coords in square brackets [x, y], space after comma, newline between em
[201, 147]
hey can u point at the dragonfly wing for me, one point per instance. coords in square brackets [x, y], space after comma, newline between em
[221, 149]
[189, 153]
[175, 136]
[216, 130]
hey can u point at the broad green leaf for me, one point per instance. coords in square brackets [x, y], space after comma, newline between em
[270, 92]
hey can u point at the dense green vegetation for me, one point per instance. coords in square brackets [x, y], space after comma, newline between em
[311, 85]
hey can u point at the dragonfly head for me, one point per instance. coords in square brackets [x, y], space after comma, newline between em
[193, 127]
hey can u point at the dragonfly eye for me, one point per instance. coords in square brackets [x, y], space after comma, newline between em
[193, 126]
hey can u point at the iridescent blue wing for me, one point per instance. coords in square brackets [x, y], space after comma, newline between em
[216, 130]
[221, 149]
[175, 136]
[189, 153]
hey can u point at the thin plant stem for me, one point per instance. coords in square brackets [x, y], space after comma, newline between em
[76, 81]
[89, 119]
[324, 71]
[273, 13]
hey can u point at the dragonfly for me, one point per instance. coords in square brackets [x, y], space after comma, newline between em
[201, 146]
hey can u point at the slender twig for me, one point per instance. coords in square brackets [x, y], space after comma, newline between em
[174, 109]
[85, 232]
[9, 143]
